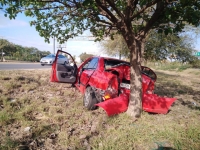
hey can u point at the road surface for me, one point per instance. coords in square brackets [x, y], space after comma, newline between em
[21, 66]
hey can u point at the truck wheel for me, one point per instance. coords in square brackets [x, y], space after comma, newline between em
[89, 99]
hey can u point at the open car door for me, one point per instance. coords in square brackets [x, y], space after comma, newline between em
[64, 68]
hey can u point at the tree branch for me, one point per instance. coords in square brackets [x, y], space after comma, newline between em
[112, 4]
[144, 8]
[159, 9]
[131, 5]
[105, 11]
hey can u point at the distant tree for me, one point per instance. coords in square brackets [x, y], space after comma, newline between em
[44, 53]
[116, 47]
[3, 43]
[85, 56]
[159, 46]
[7, 47]
[18, 52]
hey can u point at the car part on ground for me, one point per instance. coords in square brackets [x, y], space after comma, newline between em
[150, 103]
[116, 105]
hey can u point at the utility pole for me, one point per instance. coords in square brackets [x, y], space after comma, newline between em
[54, 45]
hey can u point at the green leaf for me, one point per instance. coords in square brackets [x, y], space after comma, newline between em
[86, 2]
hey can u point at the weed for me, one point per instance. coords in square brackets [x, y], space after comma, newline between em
[9, 144]
[183, 67]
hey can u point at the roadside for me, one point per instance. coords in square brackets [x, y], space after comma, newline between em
[16, 61]
[188, 77]
[21, 66]
[38, 114]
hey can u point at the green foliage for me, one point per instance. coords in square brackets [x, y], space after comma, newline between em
[171, 66]
[195, 63]
[5, 117]
[85, 56]
[4, 43]
[184, 67]
[18, 52]
[66, 19]
[159, 46]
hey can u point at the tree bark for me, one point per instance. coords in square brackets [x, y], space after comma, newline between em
[135, 44]
[135, 100]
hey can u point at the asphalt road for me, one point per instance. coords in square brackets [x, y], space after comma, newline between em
[21, 66]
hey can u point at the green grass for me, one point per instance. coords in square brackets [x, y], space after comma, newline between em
[173, 66]
[57, 120]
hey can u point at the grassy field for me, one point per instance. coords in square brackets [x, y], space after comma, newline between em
[38, 114]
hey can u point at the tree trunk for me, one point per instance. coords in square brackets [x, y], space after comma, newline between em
[135, 43]
[135, 100]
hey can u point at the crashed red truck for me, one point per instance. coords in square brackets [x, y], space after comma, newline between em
[105, 83]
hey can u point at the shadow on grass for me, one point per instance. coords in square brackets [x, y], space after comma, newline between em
[168, 86]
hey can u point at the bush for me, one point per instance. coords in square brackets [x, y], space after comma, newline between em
[195, 63]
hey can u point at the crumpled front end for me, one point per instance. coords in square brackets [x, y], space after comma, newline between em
[150, 102]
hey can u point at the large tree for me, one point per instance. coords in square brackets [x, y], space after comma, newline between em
[133, 19]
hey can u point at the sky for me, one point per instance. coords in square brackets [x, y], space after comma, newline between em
[20, 32]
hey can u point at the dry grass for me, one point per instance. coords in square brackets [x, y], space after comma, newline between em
[38, 114]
